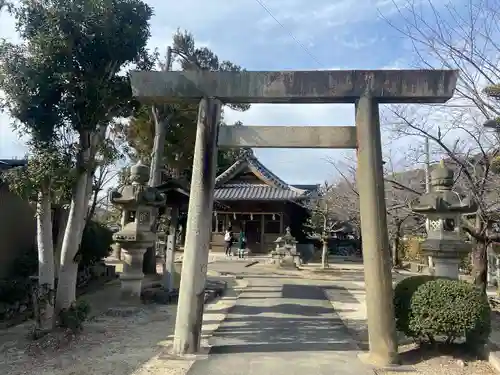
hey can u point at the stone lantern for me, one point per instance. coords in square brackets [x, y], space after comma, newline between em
[444, 208]
[286, 254]
[137, 202]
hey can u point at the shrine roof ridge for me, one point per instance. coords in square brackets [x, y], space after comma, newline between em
[248, 159]
[315, 86]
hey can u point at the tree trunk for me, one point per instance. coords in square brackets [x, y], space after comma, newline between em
[480, 258]
[45, 244]
[149, 265]
[480, 264]
[395, 251]
[66, 285]
[93, 205]
[77, 216]
[88, 192]
[158, 150]
[324, 255]
[62, 221]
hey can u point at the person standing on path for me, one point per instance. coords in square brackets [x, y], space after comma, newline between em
[228, 239]
[242, 244]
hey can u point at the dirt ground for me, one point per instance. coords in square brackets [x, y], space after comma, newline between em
[110, 344]
[114, 341]
[432, 361]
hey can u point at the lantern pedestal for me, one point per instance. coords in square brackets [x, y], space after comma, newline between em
[132, 275]
[116, 252]
[446, 267]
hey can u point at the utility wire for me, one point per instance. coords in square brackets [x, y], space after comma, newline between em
[306, 50]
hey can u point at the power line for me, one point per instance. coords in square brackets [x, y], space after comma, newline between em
[306, 50]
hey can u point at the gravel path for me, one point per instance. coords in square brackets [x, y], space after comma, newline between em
[280, 325]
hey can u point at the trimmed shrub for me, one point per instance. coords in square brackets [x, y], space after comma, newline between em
[12, 291]
[96, 243]
[25, 265]
[403, 293]
[451, 309]
[74, 317]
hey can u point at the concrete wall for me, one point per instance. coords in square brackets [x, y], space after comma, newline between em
[17, 228]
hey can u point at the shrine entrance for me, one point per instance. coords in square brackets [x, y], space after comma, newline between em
[252, 233]
[365, 89]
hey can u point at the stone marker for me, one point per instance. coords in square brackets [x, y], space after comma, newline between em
[169, 276]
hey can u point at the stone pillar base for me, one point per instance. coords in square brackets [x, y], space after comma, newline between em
[376, 360]
[288, 261]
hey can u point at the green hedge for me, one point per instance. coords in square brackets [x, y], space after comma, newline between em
[96, 245]
[403, 294]
[451, 309]
[429, 309]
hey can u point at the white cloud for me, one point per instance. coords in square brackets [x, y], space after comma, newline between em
[313, 17]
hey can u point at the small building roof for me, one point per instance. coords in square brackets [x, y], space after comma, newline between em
[240, 191]
[12, 163]
[176, 190]
[270, 188]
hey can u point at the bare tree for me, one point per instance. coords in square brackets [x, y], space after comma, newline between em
[108, 156]
[324, 220]
[344, 193]
[464, 38]
[473, 161]
[400, 187]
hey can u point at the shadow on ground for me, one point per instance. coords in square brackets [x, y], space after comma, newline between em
[281, 335]
[298, 318]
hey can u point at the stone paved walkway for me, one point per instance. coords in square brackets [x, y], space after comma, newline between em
[280, 325]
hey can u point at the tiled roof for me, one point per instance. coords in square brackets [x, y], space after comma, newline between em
[12, 163]
[271, 188]
[232, 192]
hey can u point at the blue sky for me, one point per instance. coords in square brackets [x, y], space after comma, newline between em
[339, 34]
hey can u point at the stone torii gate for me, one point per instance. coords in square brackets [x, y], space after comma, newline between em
[366, 89]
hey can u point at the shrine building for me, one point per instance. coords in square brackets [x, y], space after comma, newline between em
[249, 196]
